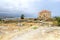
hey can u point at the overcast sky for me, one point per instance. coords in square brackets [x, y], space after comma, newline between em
[30, 6]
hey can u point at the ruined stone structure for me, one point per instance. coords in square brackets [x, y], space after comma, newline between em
[44, 15]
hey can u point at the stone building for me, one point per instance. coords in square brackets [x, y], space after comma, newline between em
[44, 15]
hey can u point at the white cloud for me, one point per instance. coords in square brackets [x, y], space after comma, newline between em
[17, 4]
[21, 4]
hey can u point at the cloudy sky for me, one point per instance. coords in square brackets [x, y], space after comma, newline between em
[29, 6]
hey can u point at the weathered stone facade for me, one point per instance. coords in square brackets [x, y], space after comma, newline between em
[44, 15]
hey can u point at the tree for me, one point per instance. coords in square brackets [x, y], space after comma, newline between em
[22, 16]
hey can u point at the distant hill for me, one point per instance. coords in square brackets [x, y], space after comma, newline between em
[5, 15]
[12, 15]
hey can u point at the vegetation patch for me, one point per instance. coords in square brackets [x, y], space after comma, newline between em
[58, 20]
[35, 27]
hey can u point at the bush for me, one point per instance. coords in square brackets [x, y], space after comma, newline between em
[58, 20]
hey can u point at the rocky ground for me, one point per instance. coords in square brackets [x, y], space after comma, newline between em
[32, 33]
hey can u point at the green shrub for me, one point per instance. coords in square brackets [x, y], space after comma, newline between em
[35, 27]
[58, 20]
